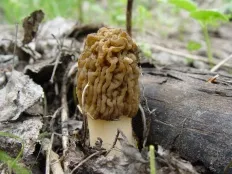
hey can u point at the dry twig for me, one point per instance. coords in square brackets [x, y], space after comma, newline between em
[144, 121]
[184, 55]
[54, 117]
[84, 113]
[64, 116]
[48, 155]
[56, 167]
[128, 16]
[114, 143]
[57, 58]
[51, 156]
[86, 159]
[216, 67]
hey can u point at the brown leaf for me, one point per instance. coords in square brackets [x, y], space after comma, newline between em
[213, 79]
[129, 150]
[31, 25]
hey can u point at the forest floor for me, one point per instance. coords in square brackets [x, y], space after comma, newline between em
[37, 108]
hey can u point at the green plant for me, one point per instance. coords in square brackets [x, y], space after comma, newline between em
[116, 11]
[184, 4]
[145, 48]
[193, 46]
[80, 10]
[141, 16]
[204, 17]
[13, 163]
[152, 159]
[15, 10]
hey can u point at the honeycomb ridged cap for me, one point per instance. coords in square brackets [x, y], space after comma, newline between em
[108, 64]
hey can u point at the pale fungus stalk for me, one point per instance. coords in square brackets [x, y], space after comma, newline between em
[107, 85]
[107, 131]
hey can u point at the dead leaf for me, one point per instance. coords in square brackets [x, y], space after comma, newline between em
[213, 79]
[129, 150]
[19, 94]
[31, 25]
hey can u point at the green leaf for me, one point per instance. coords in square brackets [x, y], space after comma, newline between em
[146, 49]
[209, 16]
[121, 18]
[6, 134]
[184, 4]
[193, 46]
[13, 162]
[14, 165]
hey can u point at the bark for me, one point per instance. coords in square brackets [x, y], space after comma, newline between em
[192, 116]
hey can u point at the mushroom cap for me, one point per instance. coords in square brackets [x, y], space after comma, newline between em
[108, 65]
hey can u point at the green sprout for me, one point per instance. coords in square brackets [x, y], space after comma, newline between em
[152, 159]
[146, 49]
[13, 163]
[204, 17]
[141, 17]
[193, 46]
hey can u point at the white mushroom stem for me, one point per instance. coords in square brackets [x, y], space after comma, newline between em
[107, 131]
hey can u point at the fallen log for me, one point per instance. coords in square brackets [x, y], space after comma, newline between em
[192, 116]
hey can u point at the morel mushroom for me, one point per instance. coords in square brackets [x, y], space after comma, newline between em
[107, 84]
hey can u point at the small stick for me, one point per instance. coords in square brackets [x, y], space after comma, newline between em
[52, 159]
[56, 165]
[115, 141]
[128, 17]
[64, 117]
[48, 155]
[184, 55]
[86, 159]
[144, 121]
[57, 58]
[83, 112]
[54, 117]
[216, 67]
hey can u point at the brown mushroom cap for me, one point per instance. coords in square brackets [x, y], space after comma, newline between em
[109, 66]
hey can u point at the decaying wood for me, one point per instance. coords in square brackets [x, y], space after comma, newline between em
[192, 116]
